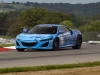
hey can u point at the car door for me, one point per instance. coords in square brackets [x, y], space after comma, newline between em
[65, 37]
[70, 37]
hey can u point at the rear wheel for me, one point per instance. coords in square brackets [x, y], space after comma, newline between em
[56, 44]
[20, 49]
[78, 42]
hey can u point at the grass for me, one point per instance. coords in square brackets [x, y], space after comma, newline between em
[48, 67]
[6, 45]
[5, 37]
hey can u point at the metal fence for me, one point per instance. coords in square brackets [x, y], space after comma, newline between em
[91, 36]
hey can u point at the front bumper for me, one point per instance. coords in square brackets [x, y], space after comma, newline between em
[34, 44]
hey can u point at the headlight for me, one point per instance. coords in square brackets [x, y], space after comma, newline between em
[47, 39]
[17, 38]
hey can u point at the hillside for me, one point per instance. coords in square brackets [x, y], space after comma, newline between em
[75, 9]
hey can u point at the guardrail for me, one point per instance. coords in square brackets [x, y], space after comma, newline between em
[93, 42]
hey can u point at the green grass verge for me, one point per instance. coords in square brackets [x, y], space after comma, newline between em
[6, 45]
[48, 67]
[5, 37]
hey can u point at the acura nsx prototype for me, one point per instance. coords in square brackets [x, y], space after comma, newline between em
[48, 37]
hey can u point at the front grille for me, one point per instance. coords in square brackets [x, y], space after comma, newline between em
[29, 44]
[45, 44]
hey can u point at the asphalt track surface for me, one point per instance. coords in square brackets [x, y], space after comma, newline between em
[13, 58]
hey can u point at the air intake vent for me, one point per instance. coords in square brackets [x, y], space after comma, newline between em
[17, 43]
[29, 44]
[45, 44]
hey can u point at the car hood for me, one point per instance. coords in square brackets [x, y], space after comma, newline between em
[34, 36]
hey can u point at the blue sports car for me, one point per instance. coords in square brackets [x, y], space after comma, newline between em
[48, 37]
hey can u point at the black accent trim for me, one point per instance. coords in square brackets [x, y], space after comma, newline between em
[45, 44]
[17, 43]
[29, 44]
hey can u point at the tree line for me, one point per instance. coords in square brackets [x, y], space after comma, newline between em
[12, 22]
[75, 9]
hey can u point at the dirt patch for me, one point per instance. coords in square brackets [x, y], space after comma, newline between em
[75, 71]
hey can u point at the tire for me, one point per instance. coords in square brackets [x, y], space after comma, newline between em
[78, 42]
[20, 49]
[55, 44]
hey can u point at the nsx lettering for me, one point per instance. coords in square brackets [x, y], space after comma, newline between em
[67, 33]
[61, 40]
[64, 34]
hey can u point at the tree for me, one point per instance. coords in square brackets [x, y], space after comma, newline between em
[17, 2]
[67, 23]
[95, 26]
[84, 28]
[3, 30]
[92, 27]
[15, 29]
[34, 16]
[13, 2]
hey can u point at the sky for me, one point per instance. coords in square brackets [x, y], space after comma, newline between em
[56, 1]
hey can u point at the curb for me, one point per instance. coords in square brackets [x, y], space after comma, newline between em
[10, 47]
[7, 48]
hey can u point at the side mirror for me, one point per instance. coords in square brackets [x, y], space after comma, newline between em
[71, 32]
[25, 30]
[61, 31]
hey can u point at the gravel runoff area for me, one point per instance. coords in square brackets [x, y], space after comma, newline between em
[74, 71]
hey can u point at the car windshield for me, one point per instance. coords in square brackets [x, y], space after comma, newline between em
[43, 29]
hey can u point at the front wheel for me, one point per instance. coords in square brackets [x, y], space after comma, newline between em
[20, 49]
[78, 43]
[56, 44]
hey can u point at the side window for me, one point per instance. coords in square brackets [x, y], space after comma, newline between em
[66, 30]
[60, 28]
[63, 28]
